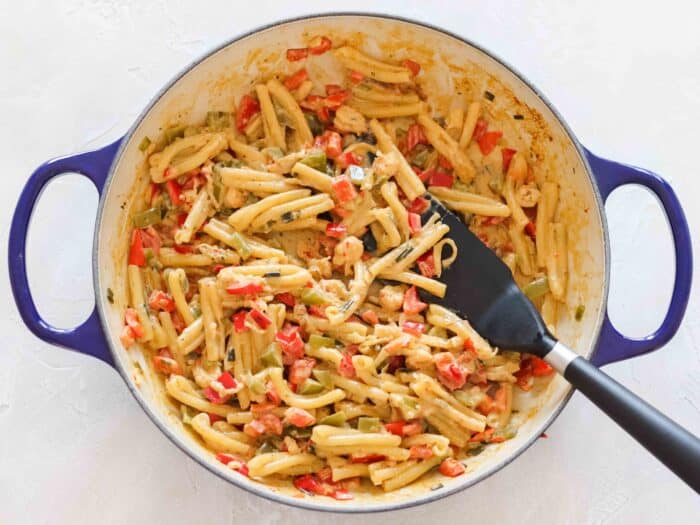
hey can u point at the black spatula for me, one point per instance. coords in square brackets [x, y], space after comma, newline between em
[480, 288]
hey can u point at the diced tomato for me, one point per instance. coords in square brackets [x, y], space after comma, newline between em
[324, 44]
[341, 212]
[181, 218]
[426, 265]
[151, 239]
[299, 417]
[239, 321]
[247, 108]
[441, 179]
[260, 318]
[136, 255]
[415, 136]
[294, 81]
[444, 163]
[333, 144]
[414, 223]
[540, 367]
[332, 89]
[531, 230]
[291, 343]
[343, 189]
[419, 205]
[412, 303]
[245, 289]
[348, 159]
[482, 436]
[165, 363]
[178, 321]
[324, 115]
[396, 362]
[424, 176]
[450, 372]
[217, 268]
[336, 230]
[261, 408]
[337, 99]
[356, 77]
[213, 396]
[366, 458]
[452, 468]
[159, 300]
[413, 66]
[131, 318]
[300, 370]
[227, 380]
[480, 129]
[370, 316]
[174, 192]
[413, 328]
[127, 337]
[395, 427]
[488, 142]
[183, 248]
[286, 298]
[421, 452]
[227, 459]
[254, 428]
[507, 156]
[313, 103]
[316, 311]
[294, 55]
[213, 418]
[309, 483]
[345, 367]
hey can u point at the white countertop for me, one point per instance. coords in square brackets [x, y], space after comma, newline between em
[75, 446]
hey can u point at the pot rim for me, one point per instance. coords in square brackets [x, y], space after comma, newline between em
[262, 490]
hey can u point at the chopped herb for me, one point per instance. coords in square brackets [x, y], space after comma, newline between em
[489, 96]
[370, 157]
[369, 242]
[347, 305]
[580, 310]
[437, 487]
[289, 216]
[518, 117]
[231, 356]
[266, 448]
[404, 253]
[145, 142]
[272, 274]
[314, 123]
[110, 296]
[368, 138]
[196, 310]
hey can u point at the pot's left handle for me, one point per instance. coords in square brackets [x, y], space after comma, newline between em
[87, 338]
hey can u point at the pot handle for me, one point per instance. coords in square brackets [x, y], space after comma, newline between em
[612, 345]
[87, 338]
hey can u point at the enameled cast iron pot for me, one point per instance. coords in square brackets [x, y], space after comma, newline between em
[220, 77]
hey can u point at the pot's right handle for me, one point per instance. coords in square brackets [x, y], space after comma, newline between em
[87, 338]
[612, 345]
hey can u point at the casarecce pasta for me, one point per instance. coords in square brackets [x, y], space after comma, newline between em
[274, 269]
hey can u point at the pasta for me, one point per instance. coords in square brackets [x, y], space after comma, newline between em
[273, 276]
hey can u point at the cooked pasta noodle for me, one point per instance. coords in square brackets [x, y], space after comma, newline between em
[274, 271]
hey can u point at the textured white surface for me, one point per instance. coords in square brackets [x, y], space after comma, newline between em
[75, 446]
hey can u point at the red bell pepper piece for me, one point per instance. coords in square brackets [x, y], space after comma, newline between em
[426, 265]
[245, 289]
[452, 468]
[300, 370]
[239, 321]
[323, 45]
[413, 66]
[419, 205]
[343, 189]
[488, 141]
[345, 367]
[247, 108]
[412, 303]
[294, 81]
[414, 222]
[286, 298]
[441, 179]
[260, 318]
[293, 55]
[136, 255]
[413, 328]
[159, 300]
[415, 136]
[507, 156]
[174, 192]
[356, 77]
[227, 380]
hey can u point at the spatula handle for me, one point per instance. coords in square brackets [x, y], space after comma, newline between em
[673, 445]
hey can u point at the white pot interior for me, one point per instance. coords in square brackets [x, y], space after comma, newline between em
[455, 73]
